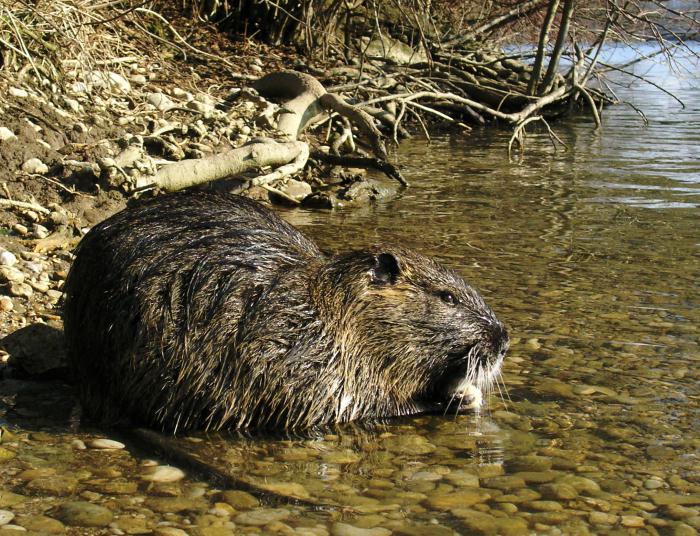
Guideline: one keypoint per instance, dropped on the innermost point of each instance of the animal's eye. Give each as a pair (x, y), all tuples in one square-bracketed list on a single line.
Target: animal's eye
[(448, 297)]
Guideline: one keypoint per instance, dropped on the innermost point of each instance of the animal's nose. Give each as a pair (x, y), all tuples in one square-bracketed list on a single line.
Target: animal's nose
[(498, 335)]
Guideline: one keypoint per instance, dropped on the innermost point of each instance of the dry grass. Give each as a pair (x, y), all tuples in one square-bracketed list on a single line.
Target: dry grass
[(49, 39)]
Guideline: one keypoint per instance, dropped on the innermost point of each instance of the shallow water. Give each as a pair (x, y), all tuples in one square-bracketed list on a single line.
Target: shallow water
[(591, 257)]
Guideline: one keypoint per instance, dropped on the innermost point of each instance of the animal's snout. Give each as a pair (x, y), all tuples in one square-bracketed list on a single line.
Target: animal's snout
[(498, 338)]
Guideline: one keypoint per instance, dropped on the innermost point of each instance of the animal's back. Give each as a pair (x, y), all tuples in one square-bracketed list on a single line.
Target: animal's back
[(170, 268)]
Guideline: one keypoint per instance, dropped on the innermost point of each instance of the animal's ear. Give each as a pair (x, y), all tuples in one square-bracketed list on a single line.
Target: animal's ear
[(385, 269)]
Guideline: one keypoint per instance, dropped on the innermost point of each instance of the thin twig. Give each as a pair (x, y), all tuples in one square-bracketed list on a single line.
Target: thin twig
[(24, 205)]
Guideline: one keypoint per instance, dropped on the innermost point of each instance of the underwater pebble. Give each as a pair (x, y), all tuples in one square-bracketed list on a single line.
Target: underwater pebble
[(262, 517), (53, 485), (602, 518), (106, 444), (42, 524), (84, 514), (632, 521), (163, 473), (345, 529), (6, 516), (241, 500)]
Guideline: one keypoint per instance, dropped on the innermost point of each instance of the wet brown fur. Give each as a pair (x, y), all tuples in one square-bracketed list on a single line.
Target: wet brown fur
[(207, 311)]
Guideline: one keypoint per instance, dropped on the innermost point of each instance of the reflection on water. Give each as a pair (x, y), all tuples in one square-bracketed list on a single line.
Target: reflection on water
[(592, 258)]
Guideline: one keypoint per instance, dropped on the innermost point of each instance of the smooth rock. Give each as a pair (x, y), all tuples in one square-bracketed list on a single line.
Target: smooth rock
[(39, 231), (653, 483), (422, 530), (682, 529), (345, 529), (18, 92), (34, 165), (504, 482), (602, 518), (113, 486), (10, 274), (676, 511), (632, 521), (6, 304), (42, 524), (6, 134), (544, 506), (410, 444), (262, 516), (118, 82), (456, 499), (72, 104), (21, 290), (169, 531), (481, 523), (163, 473), (341, 457), (662, 498), (161, 101), (5, 517), (580, 484), (84, 514), (175, 504), (286, 489), (7, 498), (241, 500), (559, 491), (105, 444), (59, 486), (528, 463), (462, 479), (297, 189), (131, 525)]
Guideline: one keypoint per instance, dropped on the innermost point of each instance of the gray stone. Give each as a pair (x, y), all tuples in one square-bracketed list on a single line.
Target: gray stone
[(262, 516), (84, 514), (18, 92), (53, 485), (105, 444), (6, 134), (241, 500), (163, 473), (345, 529), (34, 165), (161, 101), (5, 517)]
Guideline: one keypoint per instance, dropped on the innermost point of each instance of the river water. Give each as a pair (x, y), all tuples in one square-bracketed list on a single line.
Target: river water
[(591, 256)]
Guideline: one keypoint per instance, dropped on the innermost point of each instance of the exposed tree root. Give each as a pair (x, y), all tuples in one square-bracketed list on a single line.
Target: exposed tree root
[(307, 99), (258, 154), (361, 162), (24, 205)]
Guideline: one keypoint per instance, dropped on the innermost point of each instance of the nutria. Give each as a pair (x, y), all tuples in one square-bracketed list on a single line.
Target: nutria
[(207, 311)]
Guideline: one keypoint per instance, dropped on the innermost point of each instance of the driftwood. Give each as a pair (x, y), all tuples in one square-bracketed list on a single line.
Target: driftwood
[(258, 154), (306, 99)]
